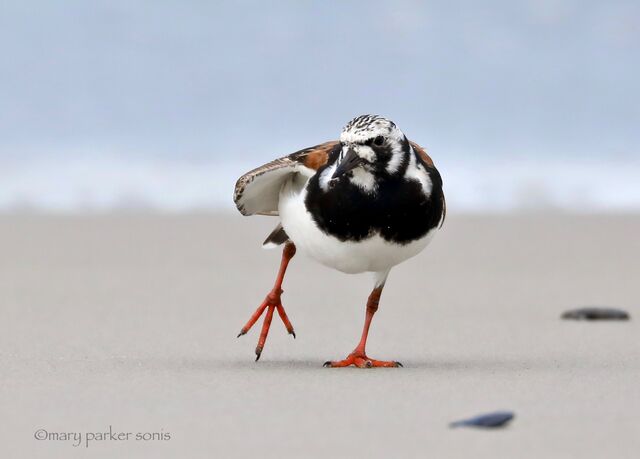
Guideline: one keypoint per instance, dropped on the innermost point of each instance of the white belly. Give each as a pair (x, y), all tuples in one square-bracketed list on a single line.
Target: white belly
[(373, 254)]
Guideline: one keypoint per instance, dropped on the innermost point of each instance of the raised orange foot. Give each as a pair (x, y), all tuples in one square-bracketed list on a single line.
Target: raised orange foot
[(271, 303)]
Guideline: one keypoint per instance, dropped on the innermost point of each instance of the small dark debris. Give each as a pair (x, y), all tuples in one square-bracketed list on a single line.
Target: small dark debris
[(596, 313), (486, 421)]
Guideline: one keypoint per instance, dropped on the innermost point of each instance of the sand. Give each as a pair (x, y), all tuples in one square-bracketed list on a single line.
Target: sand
[(130, 321)]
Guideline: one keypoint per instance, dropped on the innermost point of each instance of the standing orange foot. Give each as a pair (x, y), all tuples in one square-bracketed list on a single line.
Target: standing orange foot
[(360, 360), (271, 303)]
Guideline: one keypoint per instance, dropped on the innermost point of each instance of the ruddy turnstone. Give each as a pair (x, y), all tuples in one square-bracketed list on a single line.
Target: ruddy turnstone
[(366, 202)]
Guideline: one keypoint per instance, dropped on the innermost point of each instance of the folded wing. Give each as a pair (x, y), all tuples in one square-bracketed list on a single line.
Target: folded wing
[(428, 163)]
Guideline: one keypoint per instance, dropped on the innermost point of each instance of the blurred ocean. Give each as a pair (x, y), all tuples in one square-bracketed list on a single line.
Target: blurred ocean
[(113, 104), (496, 184)]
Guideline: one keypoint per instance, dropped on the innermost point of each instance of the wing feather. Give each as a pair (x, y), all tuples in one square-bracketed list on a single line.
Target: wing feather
[(426, 159), (428, 162), (258, 191)]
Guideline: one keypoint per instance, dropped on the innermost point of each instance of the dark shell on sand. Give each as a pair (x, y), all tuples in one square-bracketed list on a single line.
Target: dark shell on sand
[(486, 421), (594, 313)]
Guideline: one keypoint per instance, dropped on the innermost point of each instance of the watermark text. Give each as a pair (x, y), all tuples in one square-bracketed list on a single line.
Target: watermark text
[(89, 438)]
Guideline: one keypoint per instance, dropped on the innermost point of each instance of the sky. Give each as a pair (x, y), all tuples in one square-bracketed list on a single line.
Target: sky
[(241, 82)]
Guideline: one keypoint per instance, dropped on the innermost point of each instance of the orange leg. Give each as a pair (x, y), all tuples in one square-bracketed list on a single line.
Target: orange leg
[(272, 302), (359, 357)]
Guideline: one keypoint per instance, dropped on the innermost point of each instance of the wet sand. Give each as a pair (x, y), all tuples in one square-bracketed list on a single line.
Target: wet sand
[(130, 321)]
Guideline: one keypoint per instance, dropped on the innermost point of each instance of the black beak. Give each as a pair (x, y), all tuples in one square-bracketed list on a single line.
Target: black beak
[(350, 161)]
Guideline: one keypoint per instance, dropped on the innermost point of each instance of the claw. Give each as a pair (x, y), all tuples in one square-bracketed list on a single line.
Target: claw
[(399, 365), (327, 364), (360, 360), (293, 333), (272, 303)]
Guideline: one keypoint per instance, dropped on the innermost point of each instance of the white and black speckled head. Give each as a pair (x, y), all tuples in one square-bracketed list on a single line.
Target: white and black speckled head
[(372, 147), (365, 127)]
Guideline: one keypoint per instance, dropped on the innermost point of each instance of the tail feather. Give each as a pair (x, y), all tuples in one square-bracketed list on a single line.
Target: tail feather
[(277, 237)]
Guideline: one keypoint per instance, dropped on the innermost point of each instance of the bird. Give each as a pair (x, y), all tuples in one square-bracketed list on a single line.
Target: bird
[(363, 203)]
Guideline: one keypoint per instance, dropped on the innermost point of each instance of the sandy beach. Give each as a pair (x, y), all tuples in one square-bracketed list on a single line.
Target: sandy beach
[(130, 321)]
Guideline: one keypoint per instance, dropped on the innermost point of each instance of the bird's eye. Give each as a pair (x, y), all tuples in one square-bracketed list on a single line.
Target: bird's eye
[(379, 140)]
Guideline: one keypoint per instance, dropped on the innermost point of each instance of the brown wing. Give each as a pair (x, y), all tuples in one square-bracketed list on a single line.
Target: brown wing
[(426, 159), (428, 162), (258, 191)]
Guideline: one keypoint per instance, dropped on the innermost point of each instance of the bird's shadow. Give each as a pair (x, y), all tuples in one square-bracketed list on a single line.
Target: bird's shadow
[(181, 364), (456, 364)]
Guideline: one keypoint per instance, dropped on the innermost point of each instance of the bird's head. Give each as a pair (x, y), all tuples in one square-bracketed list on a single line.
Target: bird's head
[(372, 146)]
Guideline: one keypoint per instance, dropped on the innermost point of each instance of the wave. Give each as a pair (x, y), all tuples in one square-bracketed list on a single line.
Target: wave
[(471, 185)]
